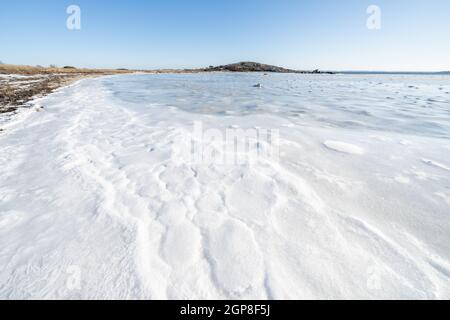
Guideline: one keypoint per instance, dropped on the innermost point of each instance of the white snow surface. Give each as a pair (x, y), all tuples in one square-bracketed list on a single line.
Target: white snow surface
[(97, 203), (344, 147)]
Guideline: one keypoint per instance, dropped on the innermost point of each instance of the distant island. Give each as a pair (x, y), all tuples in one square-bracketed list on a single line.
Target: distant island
[(248, 66)]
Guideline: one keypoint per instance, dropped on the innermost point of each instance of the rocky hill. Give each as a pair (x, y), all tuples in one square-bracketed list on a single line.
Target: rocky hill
[(256, 67)]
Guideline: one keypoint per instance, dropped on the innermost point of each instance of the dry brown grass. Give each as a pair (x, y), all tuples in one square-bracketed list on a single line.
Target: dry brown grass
[(29, 70), (13, 95), (16, 91)]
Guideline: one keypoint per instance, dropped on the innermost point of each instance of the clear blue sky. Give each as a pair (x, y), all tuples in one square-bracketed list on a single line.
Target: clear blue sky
[(303, 34)]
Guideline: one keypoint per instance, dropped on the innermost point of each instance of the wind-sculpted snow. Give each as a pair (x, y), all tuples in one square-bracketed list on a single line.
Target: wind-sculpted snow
[(98, 199)]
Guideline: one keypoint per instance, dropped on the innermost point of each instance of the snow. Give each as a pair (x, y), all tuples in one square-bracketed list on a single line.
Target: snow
[(99, 199), (344, 147), (436, 164), (14, 76)]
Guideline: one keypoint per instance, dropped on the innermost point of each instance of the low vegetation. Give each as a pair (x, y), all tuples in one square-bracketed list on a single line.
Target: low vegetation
[(23, 83), (38, 70)]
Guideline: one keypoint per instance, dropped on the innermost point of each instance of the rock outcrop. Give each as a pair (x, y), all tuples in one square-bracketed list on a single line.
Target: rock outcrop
[(256, 67)]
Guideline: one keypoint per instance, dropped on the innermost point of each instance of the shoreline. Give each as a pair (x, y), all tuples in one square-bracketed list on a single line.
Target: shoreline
[(18, 92), (19, 85)]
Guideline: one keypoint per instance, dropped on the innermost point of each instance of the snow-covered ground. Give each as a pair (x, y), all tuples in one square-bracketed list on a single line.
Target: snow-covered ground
[(99, 201)]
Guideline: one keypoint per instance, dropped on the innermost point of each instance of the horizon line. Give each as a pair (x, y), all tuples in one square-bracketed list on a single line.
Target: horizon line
[(381, 71)]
